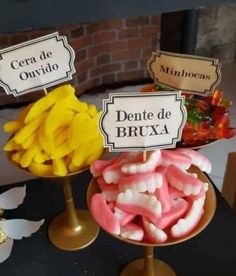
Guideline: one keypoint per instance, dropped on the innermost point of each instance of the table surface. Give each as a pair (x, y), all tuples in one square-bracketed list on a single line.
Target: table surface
[(212, 252)]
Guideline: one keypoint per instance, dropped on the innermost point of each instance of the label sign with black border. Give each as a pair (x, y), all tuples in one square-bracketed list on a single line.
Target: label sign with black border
[(136, 122), (36, 64), (188, 73)]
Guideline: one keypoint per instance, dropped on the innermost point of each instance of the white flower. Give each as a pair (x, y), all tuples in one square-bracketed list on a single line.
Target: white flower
[(12, 198), (15, 229)]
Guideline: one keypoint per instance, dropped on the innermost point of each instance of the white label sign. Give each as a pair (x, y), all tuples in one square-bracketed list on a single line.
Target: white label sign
[(191, 74), (134, 121), (36, 64)]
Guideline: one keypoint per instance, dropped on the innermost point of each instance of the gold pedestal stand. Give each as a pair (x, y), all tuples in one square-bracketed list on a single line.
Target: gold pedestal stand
[(148, 266), (73, 229)]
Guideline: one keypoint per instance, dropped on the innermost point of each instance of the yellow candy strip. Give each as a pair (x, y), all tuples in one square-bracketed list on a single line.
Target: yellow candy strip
[(80, 123), (43, 140), (48, 101), (14, 125), (41, 157), (60, 152), (88, 152), (57, 117), (59, 167), (61, 137), (40, 169), (73, 168), (29, 141), (11, 126), (30, 128), (78, 156), (94, 156), (29, 154), (77, 106), (24, 112), (96, 149), (92, 110), (16, 156), (47, 143), (12, 145), (58, 131)]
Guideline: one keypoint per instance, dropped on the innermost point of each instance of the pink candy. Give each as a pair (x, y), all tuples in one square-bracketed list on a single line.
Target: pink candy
[(154, 235), (132, 231), (163, 195), (147, 201), (103, 214), (178, 159), (149, 181), (182, 181), (179, 208), (198, 159), (140, 204)]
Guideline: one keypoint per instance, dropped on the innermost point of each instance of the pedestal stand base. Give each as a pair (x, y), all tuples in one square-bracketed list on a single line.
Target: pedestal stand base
[(135, 268), (70, 238)]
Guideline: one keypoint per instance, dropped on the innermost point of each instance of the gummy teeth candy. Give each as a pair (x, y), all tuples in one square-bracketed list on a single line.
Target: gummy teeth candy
[(151, 201)]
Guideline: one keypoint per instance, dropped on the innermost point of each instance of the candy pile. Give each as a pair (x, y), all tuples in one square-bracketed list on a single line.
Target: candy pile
[(150, 201), (56, 135), (207, 117)]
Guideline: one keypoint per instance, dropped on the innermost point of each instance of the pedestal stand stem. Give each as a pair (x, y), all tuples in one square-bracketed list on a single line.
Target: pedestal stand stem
[(71, 214), (148, 267)]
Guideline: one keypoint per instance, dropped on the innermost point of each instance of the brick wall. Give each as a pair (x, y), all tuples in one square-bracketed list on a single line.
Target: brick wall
[(107, 52)]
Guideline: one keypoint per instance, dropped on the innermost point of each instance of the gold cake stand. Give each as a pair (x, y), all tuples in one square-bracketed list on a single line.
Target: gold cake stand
[(72, 229), (149, 266)]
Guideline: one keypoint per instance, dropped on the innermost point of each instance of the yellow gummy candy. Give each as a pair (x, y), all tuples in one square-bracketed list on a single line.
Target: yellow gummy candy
[(30, 128), (77, 106), (92, 110), (95, 149), (12, 145), (48, 101), (57, 116), (40, 169), (24, 112), (41, 157), (63, 121), (14, 125), (11, 126), (29, 154), (78, 156), (61, 137), (73, 168), (43, 140), (87, 153), (16, 156), (29, 141), (60, 151), (59, 167), (81, 130), (94, 156)]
